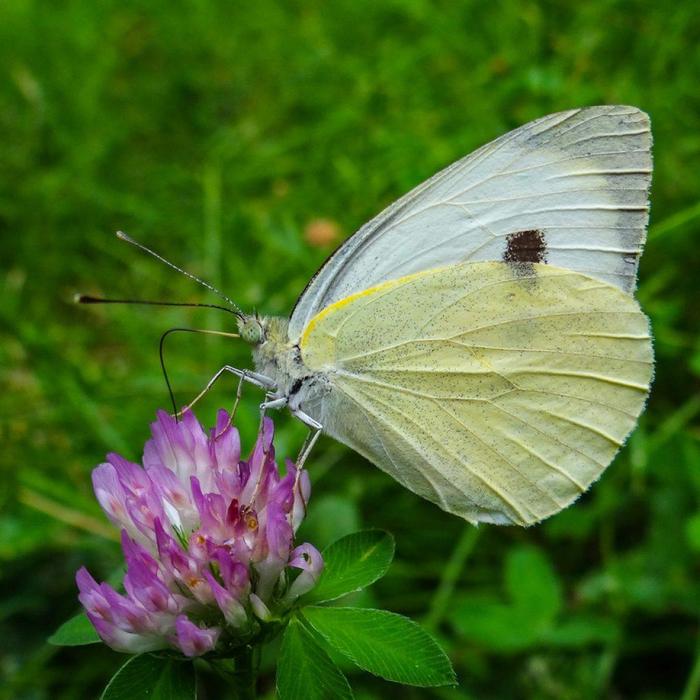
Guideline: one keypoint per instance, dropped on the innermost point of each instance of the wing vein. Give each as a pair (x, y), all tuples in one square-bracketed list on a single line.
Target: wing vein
[(499, 455), (363, 409), (459, 459)]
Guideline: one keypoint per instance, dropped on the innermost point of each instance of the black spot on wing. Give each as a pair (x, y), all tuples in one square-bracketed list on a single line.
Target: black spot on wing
[(525, 247)]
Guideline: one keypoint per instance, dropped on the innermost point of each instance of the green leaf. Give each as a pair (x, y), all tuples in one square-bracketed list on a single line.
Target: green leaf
[(692, 531), (305, 671), (582, 631), (533, 585), (148, 677), (493, 625), (75, 632), (352, 563), (383, 643)]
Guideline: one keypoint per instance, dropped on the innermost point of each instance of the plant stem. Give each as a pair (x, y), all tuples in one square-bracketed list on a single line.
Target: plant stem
[(240, 673), (692, 686), (450, 574), (245, 675)]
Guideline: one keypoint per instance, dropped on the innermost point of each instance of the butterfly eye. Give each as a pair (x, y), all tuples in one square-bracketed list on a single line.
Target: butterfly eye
[(251, 330)]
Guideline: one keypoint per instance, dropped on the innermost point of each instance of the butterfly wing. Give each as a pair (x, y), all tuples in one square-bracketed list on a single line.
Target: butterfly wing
[(499, 392), (570, 189)]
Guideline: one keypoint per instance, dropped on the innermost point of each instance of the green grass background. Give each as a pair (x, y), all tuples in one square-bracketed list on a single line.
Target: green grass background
[(217, 132)]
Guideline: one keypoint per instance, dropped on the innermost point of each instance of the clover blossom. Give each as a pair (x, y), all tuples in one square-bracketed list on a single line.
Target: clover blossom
[(208, 541)]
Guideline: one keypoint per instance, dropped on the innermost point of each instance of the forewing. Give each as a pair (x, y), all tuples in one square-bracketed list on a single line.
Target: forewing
[(570, 189), (499, 392)]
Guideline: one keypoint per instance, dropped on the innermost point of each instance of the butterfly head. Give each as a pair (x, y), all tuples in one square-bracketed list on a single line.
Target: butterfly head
[(252, 329), (273, 354)]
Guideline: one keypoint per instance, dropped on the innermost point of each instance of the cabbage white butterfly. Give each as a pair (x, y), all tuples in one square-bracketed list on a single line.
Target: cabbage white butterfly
[(479, 340)]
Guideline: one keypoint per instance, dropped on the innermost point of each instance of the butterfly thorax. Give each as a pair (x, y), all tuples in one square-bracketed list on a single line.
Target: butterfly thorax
[(277, 357)]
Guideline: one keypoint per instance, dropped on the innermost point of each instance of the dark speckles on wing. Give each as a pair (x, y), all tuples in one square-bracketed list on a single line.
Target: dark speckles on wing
[(525, 247)]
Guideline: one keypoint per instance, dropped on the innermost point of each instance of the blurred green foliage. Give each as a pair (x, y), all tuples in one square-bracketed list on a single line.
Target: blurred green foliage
[(220, 134)]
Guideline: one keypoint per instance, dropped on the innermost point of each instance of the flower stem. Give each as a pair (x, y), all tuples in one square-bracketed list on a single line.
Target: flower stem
[(245, 675), (450, 574), (240, 673), (692, 686)]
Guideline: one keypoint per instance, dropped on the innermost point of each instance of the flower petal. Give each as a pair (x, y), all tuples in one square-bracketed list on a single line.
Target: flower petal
[(193, 640), (111, 495), (307, 558)]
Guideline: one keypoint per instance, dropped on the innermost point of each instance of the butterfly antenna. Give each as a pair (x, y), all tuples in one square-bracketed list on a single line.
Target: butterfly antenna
[(161, 353), (124, 237), (86, 299), (165, 371)]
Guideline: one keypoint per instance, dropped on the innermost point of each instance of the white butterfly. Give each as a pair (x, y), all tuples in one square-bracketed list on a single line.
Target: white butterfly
[(478, 340)]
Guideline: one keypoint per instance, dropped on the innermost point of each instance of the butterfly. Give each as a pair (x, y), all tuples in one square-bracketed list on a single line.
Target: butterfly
[(479, 339)]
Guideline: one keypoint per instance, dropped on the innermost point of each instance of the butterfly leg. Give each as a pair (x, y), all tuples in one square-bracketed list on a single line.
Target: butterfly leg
[(271, 401), (239, 392), (315, 429), (245, 375)]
